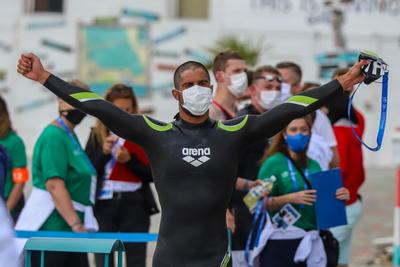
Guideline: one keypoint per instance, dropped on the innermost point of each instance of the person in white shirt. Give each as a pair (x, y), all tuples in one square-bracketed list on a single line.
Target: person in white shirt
[(323, 145)]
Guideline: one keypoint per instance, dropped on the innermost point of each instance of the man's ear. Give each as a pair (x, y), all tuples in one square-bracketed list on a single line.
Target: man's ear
[(220, 76), (254, 92), (175, 94)]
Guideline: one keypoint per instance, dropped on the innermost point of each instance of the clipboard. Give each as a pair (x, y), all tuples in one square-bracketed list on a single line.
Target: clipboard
[(330, 212)]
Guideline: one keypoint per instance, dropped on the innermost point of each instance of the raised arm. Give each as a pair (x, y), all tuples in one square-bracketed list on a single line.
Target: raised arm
[(270, 123), (132, 127), (121, 123)]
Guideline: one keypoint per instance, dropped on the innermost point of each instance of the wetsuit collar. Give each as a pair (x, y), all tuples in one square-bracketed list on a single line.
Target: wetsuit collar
[(180, 122)]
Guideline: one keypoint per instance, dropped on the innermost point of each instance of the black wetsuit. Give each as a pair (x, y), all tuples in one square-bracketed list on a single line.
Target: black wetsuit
[(194, 167)]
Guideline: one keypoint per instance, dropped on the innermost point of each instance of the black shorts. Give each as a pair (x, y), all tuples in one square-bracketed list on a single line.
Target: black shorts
[(280, 253)]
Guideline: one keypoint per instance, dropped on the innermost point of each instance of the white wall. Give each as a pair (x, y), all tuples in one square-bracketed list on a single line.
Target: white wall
[(283, 24)]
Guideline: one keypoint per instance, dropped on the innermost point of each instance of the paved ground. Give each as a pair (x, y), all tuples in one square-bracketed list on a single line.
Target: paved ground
[(377, 221)]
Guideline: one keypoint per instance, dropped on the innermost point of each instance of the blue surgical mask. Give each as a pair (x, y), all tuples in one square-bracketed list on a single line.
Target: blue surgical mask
[(298, 142)]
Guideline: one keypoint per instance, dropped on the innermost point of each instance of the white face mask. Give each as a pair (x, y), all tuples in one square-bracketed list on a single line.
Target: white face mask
[(269, 99), (285, 91), (238, 83), (197, 99)]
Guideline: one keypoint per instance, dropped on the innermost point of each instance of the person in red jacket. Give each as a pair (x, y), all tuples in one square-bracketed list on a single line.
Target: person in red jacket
[(351, 164), (124, 199)]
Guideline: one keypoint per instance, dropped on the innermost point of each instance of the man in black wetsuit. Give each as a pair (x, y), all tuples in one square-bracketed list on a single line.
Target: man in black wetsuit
[(193, 159)]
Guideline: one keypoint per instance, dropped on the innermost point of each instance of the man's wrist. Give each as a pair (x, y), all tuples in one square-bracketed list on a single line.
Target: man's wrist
[(43, 77), (345, 82)]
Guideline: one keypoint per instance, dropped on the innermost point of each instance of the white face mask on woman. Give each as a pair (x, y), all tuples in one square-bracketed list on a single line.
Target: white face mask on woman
[(238, 83), (197, 99), (269, 99)]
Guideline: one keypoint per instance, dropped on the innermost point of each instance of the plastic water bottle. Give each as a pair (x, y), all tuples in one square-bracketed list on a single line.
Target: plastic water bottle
[(254, 195)]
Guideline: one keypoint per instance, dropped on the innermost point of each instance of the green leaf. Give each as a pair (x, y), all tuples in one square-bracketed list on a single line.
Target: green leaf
[(250, 50)]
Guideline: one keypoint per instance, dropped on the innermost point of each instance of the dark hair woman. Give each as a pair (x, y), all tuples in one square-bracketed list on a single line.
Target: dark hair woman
[(17, 172), (124, 198)]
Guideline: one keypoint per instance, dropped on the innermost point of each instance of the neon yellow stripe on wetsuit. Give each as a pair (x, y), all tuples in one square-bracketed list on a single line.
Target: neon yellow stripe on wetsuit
[(233, 128), (301, 100)]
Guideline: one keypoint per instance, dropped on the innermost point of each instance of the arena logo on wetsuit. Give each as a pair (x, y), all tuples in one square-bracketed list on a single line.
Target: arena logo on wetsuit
[(190, 154)]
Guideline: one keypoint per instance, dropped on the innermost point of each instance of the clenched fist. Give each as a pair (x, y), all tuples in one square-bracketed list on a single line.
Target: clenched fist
[(30, 66)]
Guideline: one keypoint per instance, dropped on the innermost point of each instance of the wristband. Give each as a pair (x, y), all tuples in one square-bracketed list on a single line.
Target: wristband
[(20, 175), (268, 201)]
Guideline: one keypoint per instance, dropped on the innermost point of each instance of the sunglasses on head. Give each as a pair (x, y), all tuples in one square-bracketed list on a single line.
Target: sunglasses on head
[(271, 78)]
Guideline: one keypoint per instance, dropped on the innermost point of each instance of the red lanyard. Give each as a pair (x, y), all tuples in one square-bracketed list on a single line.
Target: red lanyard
[(228, 115)]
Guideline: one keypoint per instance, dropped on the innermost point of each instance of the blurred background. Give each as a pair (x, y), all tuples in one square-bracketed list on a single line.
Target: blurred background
[(141, 42)]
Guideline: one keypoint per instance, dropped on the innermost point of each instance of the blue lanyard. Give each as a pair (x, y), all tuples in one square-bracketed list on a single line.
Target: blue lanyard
[(76, 145), (294, 180), (382, 122), (293, 176), (113, 160), (257, 215)]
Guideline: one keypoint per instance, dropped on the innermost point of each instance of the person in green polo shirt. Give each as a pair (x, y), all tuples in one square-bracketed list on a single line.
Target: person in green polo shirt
[(286, 159), (56, 161), (17, 173), (61, 167)]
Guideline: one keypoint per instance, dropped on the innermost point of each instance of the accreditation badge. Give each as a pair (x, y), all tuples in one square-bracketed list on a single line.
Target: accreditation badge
[(286, 216)]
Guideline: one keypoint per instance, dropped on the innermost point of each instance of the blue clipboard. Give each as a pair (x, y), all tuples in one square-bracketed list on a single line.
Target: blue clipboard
[(330, 212)]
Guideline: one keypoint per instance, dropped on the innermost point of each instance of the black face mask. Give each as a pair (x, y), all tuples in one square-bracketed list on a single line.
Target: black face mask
[(74, 116)]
